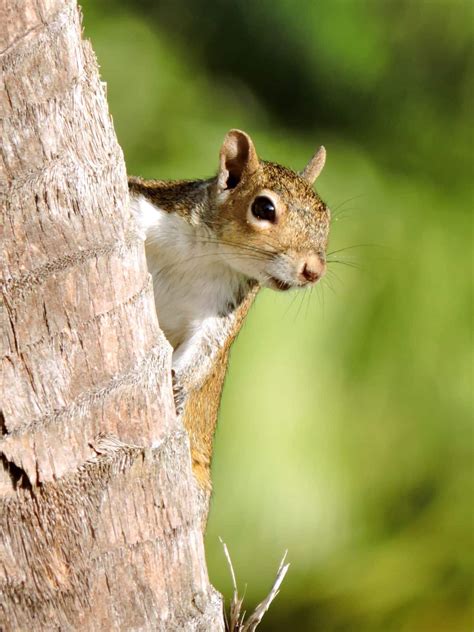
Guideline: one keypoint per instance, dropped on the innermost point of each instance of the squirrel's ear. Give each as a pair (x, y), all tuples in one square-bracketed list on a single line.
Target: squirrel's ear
[(314, 166), (237, 156)]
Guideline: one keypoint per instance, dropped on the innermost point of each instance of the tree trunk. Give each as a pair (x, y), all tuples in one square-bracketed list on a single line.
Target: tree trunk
[(99, 519)]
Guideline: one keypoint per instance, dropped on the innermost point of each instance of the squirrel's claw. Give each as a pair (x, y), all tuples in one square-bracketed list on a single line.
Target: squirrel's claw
[(179, 393)]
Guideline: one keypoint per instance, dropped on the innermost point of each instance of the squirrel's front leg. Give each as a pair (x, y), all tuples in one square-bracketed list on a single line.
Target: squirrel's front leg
[(199, 366), (195, 357)]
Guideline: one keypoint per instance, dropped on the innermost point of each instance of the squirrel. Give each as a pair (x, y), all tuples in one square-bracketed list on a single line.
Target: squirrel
[(210, 245)]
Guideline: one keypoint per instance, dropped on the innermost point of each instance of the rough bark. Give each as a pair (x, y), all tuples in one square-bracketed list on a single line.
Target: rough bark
[(99, 522)]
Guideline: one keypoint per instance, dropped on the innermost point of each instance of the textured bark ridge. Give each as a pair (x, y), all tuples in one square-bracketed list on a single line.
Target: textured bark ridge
[(99, 512)]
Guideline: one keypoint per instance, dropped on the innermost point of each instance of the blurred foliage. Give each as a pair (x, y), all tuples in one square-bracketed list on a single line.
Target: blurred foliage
[(345, 432)]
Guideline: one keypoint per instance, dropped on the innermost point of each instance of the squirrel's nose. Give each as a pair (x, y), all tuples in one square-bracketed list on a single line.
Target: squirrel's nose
[(313, 269)]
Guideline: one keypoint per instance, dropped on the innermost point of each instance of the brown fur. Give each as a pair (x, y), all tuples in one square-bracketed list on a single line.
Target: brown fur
[(177, 196)]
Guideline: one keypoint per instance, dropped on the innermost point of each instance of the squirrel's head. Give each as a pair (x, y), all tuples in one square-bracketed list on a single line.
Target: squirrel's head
[(269, 218)]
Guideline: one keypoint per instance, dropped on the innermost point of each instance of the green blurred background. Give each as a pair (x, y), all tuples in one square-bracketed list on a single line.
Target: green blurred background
[(345, 431)]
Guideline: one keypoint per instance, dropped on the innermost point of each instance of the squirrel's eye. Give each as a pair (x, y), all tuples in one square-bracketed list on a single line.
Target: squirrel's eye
[(263, 208)]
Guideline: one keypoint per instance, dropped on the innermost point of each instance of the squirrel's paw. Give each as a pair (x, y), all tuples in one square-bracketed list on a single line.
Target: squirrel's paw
[(179, 393)]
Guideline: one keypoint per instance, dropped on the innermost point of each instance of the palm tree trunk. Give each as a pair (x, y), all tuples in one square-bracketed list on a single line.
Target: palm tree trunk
[(99, 517)]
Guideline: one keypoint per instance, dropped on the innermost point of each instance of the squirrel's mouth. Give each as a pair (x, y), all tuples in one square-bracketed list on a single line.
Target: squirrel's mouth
[(277, 284)]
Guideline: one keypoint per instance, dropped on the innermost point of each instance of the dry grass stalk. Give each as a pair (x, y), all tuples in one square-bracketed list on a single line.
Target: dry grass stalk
[(236, 622)]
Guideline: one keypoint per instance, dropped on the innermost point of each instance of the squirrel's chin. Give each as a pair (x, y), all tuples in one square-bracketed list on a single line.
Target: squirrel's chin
[(279, 285)]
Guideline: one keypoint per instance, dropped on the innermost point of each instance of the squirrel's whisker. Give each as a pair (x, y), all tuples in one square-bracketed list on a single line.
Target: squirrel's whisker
[(351, 248), (350, 264), (334, 214)]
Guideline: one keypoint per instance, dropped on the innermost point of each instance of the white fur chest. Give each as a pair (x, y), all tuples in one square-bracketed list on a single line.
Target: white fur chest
[(192, 282)]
